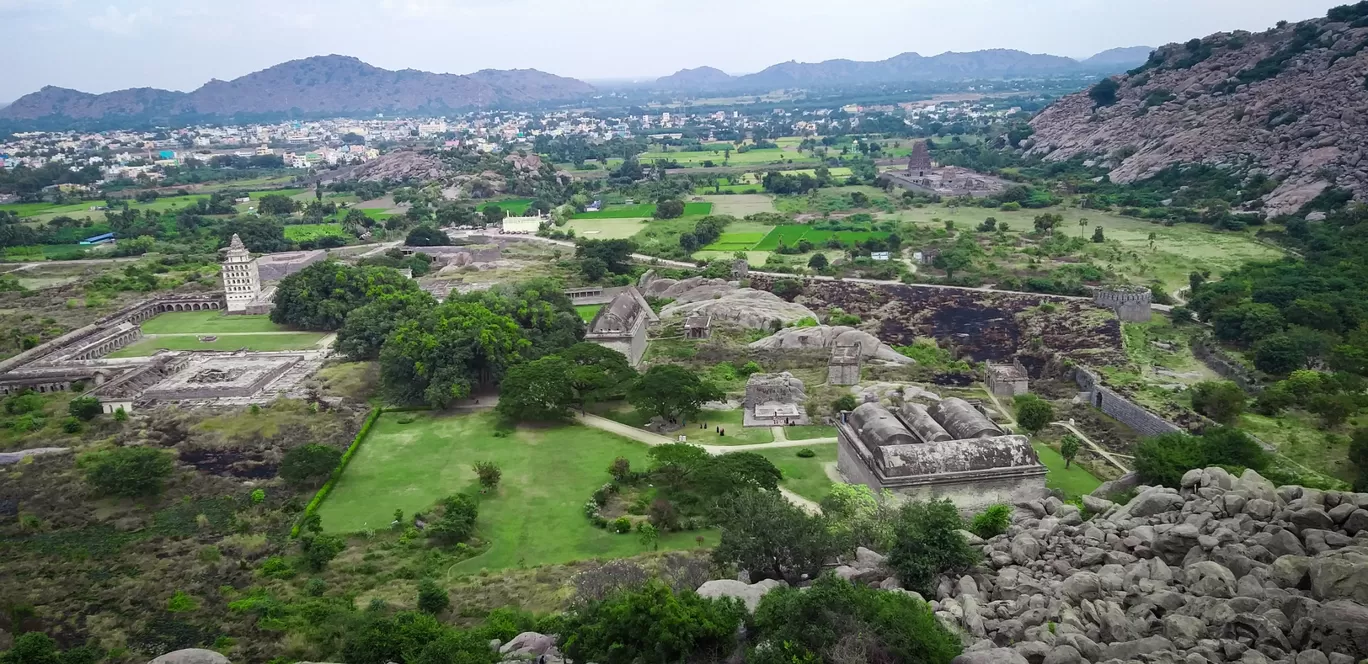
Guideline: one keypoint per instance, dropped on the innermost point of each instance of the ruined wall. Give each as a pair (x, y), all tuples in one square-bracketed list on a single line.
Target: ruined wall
[(843, 374), (1211, 355), (1120, 408)]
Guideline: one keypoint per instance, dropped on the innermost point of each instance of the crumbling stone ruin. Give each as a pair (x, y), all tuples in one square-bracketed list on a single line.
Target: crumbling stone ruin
[(774, 399), (1131, 303), (1006, 380), (844, 366)]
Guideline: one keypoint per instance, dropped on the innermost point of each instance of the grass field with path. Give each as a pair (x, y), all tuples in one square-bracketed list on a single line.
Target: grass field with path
[(805, 477), (606, 229), (225, 342), (729, 420), (208, 322), (1074, 481), (740, 206), (535, 516), (810, 431), (748, 158)]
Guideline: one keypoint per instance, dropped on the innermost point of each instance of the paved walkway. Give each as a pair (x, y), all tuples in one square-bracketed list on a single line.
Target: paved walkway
[(778, 433), (654, 439)]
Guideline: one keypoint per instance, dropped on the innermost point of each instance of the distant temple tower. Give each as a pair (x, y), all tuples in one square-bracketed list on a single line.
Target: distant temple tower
[(920, 160), (241, 282)]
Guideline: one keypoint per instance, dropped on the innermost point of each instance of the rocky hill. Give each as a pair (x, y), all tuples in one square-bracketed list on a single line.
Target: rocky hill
[(905, 68), (1290, 102), (324, 85)]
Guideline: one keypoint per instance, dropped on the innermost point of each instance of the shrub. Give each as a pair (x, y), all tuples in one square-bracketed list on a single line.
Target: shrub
[(1104, 93), (1222, 401), (432, 598), (749, 368), (806, 453), (309, 464), (620, 469), (181, 602), (837, 621), (128, 471), (489, 474), (319, 550), (71, 425), (457, 521), (766, 534), (653, 624), (120, 415), (85, 408), (845, 402), (276, 567), (258, 496), (992, 521), (1164, 459), (926, 545), (622, 525)]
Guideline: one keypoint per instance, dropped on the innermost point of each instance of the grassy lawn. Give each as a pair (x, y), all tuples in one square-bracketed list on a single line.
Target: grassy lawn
[(1304, 439), (588, 311), (536, 516), (748, 158), (1073, 482), (729, 420), (809, 432), (741, 205), (606, 229), (230, 342), (207, 322), (805, 477)]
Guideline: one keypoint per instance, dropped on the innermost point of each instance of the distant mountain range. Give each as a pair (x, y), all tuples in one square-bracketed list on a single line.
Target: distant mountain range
[(328, 85), (904, 68)]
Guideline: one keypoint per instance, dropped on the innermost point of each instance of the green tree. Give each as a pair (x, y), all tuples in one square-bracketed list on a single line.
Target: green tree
[(1222, 401), (669, 209), (597, 373), (1068, 448), (276, 204), (1358, 448), (432, 598), (541, 390), (1033, 413), (953, 260), (845, 402), (447, 353), (493, 214), (309, 464), (1104, 93), (648, 535), (319, 549), (128, 471), (653, 624), (364, 330), (927, 543), (85, 408), (615, 254), (821, 623), (320, 296), (1162, 460), (671, 391), (1098, 237), (818, 261), (1278, 354), (766, 534), (593, 268), (424, 235)]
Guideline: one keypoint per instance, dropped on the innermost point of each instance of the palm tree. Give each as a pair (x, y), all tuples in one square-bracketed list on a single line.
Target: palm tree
[(1082, 223)]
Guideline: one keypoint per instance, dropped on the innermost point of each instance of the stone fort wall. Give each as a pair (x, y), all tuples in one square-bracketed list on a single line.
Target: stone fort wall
[(1120, 408), (1131, 303)]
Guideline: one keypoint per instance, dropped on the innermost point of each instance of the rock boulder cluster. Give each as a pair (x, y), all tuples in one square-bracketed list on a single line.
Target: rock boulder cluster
[(827, 336), (725, 302), (1226, 570)]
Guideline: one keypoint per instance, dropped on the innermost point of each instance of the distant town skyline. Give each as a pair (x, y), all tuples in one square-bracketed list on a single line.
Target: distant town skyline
[(103, 45)]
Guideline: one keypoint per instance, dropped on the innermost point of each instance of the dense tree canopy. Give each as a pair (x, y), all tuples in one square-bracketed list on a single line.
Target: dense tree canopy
[(367, 327), (671, 391), (540, 390), (539, 306), (320, 296), (443, 355)]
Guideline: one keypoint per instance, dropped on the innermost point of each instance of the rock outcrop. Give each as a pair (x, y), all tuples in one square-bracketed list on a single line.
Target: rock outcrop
[(1290, 103), (191, 656), (1205, 574), (725, 302), (827, 336)]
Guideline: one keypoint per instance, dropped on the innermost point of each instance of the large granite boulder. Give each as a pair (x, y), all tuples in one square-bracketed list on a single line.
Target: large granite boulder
[(828, 336), (749, 594), (191, 656), (744, 307)]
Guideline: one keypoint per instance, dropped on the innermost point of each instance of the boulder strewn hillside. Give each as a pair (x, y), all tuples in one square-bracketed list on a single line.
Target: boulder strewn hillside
[(1290, 102), (323, 85)]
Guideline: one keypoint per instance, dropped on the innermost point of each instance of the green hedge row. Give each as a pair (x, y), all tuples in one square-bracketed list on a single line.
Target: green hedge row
[(337, 472)]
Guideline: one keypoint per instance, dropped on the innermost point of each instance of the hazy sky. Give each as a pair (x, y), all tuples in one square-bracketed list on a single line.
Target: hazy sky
[(102, 45)]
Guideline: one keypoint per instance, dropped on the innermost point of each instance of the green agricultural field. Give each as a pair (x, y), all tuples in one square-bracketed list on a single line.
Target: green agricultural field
[(1074, 482), (225, 342), (642, 210), (606, 229), (306, 232), (588, 311), (535, 516), (208, 322), (748, 158), (740, 206), (513, 206), (735, 241), (805, 477), (791, 234), (35, 209)]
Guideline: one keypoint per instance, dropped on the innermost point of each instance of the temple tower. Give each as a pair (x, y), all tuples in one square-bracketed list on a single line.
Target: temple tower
[(241, 282)]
